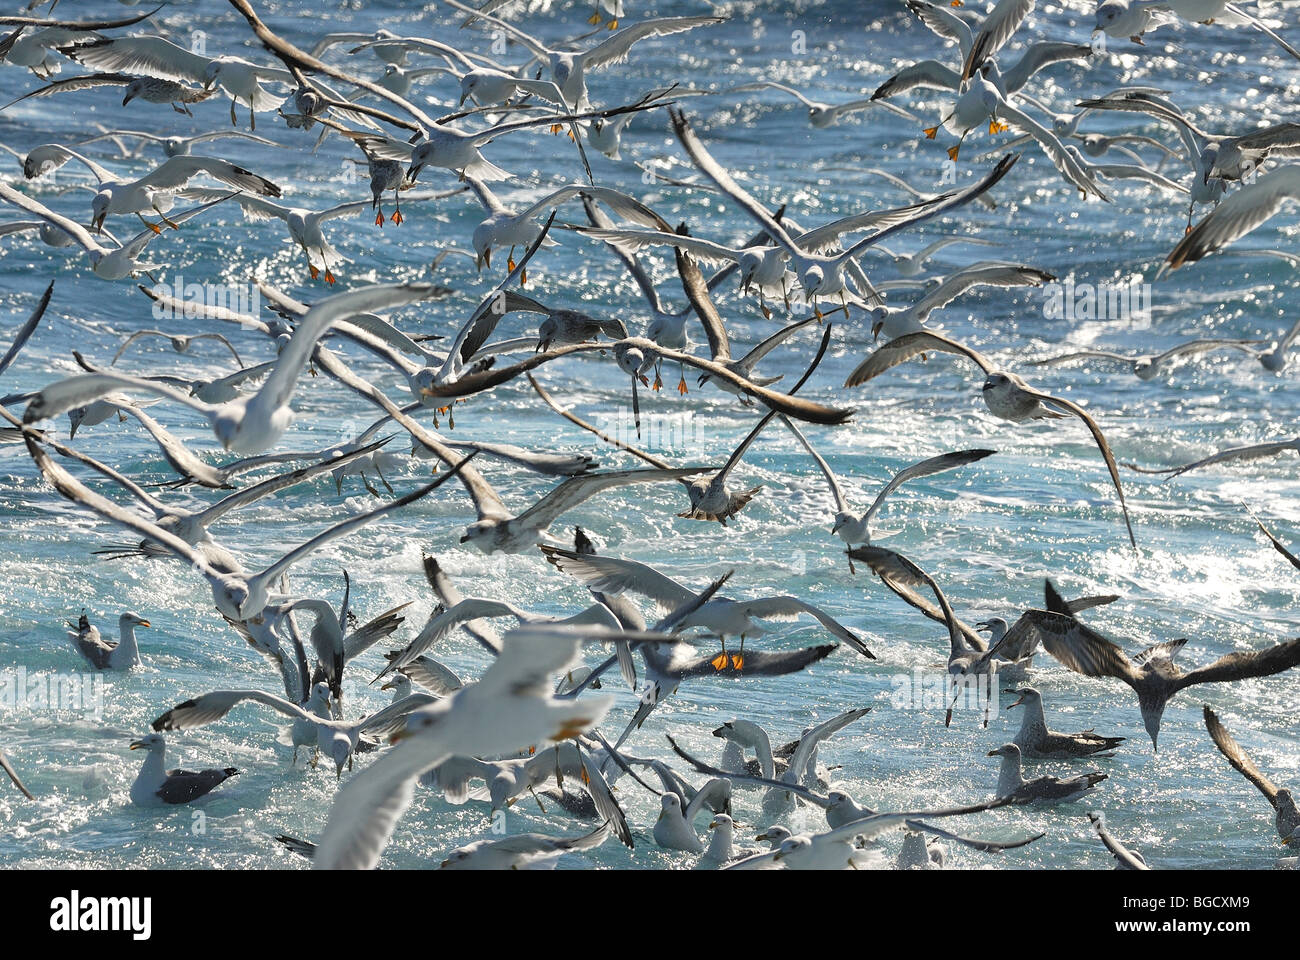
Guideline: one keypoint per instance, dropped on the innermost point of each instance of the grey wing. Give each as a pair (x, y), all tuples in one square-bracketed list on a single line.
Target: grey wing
[(1238, 757), (761, 663), (366, 636), (27, 329), (182, 786), (1102, 445), (1079, 647), (904, 348), (575, 490), (1279, 546), (810, 741), (697, 292), (944, 461), (1237, 216), (1244, 664), (392, 718)]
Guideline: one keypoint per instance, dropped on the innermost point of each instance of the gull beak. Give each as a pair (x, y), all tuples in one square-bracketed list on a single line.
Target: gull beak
[(1287, 841), (137, 744), (876, 328), (982, 625), (713, 824), (127, 99), (465, 539), (487, 257), (1016, 704), (144, 623), (994, 753), (388, 686), (98, 223)]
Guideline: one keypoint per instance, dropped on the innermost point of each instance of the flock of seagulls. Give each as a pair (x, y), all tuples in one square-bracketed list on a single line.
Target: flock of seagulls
[(532, 720)]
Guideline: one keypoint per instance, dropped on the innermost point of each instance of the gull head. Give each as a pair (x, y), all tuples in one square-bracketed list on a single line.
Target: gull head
[(878, 317), (133, 90), (1007, 750), (75, 416), (792, 845), (1027, 695), (99, 209), (455, 859), (1108, 12), (480, 534), (212, 74), (176, 147), (340, 751), (671, 805), (467, 85), (996, 627), (775, 835), (133, 619), (482, 243), (154, 743)]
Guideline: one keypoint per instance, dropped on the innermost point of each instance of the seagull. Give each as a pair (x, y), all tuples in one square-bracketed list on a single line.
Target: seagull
[(155, 784), (246, 424), (506, 227), (176, 146), (1244, 211), (569, 69), (562, 326), (337, 739), (1125, 859), (104, 654), (675, 828), (1275, 360), (722, 616), (498, 531), (109, 263), (820, 115), (1018, 642), (472, 609), (527, 851), (976, 48), (820, 275), (801, 768), (1153, 675), (149, 89), (895, 322), (980, 101), (913, 265), (1280, 798), (510, 707), (156, 190), (1150, 366), (1255, 451), (1045, 789), (1006, 395), (180, 342), (237, 594), (854, 529), (1035, 739), (241, 80)]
